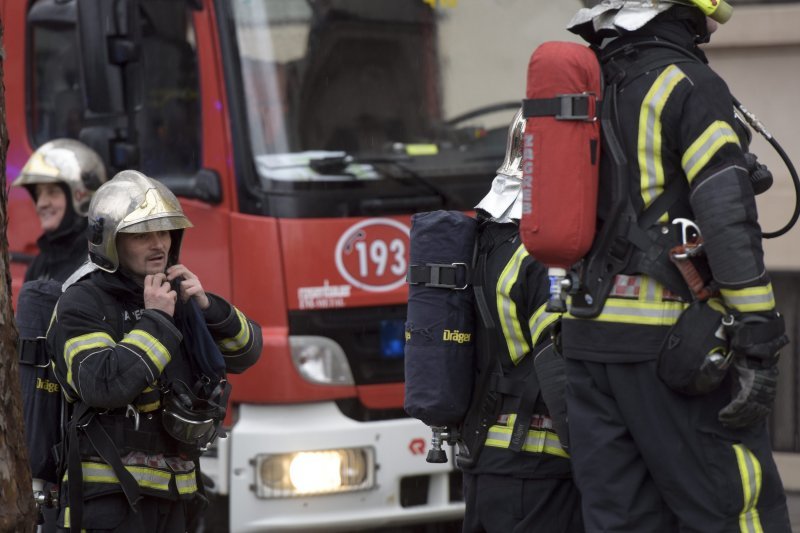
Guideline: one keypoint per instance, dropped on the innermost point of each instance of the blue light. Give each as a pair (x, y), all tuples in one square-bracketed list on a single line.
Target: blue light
[(392, 337)]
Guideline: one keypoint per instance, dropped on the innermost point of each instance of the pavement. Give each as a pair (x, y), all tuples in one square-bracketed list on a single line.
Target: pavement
[(793, 499)]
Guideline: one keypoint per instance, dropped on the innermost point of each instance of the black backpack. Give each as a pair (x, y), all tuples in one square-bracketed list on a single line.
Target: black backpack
[(44, 408), (42, 400)]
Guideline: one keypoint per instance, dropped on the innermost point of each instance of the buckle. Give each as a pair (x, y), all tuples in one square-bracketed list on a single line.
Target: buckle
[(581, 106), (437, 279)]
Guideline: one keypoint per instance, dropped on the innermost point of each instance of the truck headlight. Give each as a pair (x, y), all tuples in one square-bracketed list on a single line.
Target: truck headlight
[(315, 472), (320, 360)]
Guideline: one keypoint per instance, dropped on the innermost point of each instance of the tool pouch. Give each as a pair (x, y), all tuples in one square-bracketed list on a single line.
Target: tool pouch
[(695, 355)]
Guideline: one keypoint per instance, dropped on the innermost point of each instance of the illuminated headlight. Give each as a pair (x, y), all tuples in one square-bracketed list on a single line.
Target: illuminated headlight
[(320, 360), (317, 472)]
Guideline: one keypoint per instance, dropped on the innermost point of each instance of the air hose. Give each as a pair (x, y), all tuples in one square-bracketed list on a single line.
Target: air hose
[(759, 127)]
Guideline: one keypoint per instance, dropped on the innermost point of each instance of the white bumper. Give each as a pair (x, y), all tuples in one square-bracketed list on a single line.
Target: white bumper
[(277, 429)]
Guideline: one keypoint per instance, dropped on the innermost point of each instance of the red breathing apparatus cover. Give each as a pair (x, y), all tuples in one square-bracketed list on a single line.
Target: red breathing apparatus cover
[(561, 153)]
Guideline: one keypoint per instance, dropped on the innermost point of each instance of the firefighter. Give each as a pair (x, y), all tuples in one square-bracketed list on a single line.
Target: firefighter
[(521, 483), (647, 457), (61, 177), (141, 352)]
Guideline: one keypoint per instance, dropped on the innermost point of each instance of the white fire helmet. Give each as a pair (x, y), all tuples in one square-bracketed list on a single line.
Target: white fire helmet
[(615, 16), (504, 200), (69, 162), (132, 203)]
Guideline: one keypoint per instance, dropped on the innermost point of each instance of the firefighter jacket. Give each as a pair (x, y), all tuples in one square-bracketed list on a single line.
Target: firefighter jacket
[(675, 123), (112, 353), (516, 292)]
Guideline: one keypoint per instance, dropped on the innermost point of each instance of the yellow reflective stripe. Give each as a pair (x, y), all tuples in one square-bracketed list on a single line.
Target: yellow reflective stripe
[(750, 472), (751, 299), (148, 407), (650, 309), (240, 341), (81, 343), (537, 440), (152, 347), (186, 483), (507, 309), (540, 321), (651, 168), (709, 142), (641, 312), (146, 477)]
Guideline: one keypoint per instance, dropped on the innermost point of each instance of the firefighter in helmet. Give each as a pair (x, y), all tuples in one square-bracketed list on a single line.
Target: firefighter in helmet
[(521, 480), (650, 452), (142, 351), (61, 177)]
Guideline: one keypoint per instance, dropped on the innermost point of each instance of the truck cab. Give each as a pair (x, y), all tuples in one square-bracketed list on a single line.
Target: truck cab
[(300, 137)]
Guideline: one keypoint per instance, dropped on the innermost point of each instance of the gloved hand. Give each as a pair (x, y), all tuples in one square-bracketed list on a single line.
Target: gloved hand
[(754, 394), (760, 176), (755, 340)]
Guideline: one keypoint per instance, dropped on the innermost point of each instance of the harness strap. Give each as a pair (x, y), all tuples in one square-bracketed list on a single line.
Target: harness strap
[(105, 448), (562, 107)]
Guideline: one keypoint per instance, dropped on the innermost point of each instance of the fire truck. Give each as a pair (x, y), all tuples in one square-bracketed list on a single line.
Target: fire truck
[(300, 137)]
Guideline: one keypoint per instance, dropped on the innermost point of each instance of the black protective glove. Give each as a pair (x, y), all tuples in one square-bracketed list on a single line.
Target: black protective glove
[(754, 395), (755, 340)]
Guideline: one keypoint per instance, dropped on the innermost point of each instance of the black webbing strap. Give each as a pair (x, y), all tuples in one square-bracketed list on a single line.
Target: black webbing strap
[(33, 352), (107, 451), (445, 276), (85, 419), (75, 470), (527, 403), (562, 107)]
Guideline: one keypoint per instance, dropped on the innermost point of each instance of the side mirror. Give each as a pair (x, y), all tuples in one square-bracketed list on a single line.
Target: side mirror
[(204, 185), (109, 38)]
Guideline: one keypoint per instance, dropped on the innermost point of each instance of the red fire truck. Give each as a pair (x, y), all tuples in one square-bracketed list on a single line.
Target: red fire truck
[(300, 135)]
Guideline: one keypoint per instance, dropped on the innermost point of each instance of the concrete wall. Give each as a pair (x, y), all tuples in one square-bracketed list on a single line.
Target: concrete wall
[(758, 53)]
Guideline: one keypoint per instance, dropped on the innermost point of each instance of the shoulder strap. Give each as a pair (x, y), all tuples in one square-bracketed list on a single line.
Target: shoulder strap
[(625, 231), (526, 389)]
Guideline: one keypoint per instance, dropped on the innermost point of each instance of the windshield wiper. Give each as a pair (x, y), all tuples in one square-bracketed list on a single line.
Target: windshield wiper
[(337, 165)]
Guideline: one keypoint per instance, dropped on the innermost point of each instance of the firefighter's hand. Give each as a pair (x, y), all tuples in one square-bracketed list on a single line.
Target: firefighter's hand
[(158, 293), (753, 394), (190, 286)]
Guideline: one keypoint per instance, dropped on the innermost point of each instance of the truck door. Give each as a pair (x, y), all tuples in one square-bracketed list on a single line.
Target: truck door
[(125, 78)]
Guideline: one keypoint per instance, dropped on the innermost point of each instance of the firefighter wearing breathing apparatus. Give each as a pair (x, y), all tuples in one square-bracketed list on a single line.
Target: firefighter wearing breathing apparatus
[(662, 441), (141, 351), (518, 478)]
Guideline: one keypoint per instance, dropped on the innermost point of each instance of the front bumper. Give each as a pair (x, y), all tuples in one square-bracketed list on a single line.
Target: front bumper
[(407, 489)]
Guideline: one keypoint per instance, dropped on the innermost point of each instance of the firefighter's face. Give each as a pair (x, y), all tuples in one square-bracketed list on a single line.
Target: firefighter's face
[(51, 204), (141, 254)]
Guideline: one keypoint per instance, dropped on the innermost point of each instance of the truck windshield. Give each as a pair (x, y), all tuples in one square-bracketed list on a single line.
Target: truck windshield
[(368, 90)]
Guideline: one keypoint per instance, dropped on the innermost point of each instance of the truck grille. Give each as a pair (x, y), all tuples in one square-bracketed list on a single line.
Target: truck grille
[(359, 332)]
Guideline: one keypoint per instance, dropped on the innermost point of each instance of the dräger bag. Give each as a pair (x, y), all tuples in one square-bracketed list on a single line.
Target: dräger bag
[(695, 356), (440, 332), (41, 393)]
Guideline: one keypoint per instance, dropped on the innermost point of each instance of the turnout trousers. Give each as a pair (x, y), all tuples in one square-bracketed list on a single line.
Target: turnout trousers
[(505, 504), (648, 459)]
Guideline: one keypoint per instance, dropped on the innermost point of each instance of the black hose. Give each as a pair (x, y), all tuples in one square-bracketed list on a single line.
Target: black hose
[(756, 125)]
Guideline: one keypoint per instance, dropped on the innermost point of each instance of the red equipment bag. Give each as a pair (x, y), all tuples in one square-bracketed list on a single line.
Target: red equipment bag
[(561, 153)]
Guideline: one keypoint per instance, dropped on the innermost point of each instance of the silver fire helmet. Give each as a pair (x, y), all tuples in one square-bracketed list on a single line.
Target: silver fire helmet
[(616, 16), (132, 203), (504, 200), (69, 162)]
